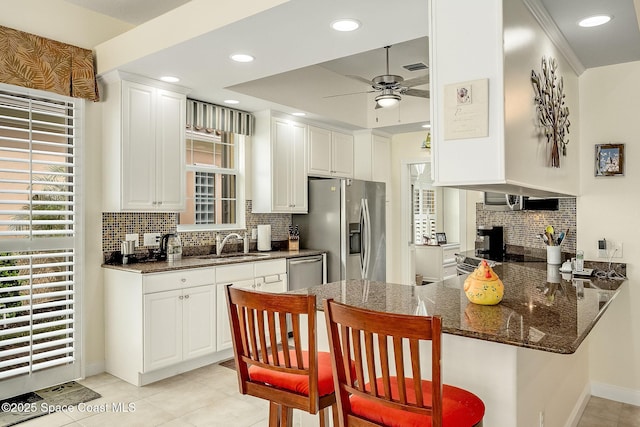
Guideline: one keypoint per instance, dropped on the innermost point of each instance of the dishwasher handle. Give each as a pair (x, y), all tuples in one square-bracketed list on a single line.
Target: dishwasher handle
[(305, 261)]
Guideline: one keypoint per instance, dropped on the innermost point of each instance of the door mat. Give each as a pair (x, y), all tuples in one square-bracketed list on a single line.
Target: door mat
[(42, 402), (231, 364)]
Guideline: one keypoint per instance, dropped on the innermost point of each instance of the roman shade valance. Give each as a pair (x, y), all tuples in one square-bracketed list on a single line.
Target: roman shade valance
[(35, 62), (206, 117)]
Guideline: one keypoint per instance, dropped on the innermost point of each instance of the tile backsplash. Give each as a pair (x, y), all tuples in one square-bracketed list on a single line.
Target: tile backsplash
[(115, 225), (521, 227)]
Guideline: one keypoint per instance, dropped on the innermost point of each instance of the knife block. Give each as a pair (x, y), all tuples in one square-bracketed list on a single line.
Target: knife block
[(294, 244)]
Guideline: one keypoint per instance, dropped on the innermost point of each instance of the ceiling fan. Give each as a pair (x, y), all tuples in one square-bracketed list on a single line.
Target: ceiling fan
[(391, 87)]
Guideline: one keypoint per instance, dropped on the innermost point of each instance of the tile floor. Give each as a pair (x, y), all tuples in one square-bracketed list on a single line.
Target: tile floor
[(208, 397)]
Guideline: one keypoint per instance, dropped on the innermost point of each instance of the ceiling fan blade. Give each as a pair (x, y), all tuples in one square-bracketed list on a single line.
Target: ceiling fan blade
[(416, 82), (345, 94), (417, 92), (361, 79)]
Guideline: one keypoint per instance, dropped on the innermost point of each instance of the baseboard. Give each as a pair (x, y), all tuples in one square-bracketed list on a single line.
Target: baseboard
[(619, 394), (94, 368), (578, 408)]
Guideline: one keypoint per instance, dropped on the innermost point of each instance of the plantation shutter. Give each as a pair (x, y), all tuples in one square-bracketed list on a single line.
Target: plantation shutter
[(37, 233)]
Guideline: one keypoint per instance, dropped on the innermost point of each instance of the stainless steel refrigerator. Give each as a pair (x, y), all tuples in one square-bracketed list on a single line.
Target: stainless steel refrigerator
[(347, 219)]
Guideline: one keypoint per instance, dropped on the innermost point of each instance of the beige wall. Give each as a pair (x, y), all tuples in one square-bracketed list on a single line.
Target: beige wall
[(608, 207)]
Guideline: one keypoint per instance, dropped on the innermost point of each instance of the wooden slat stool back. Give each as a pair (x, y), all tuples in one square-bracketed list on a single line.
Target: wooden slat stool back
[(290, 378), (374, 396)]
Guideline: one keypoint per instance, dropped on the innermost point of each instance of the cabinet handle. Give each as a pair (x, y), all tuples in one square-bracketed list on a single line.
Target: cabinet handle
[(253, 286), (160, 202), (186, 297), (180, 297), (183, 280)]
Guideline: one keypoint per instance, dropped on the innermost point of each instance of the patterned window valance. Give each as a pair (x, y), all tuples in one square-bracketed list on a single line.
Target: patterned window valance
[(205, 117), (36, 62)]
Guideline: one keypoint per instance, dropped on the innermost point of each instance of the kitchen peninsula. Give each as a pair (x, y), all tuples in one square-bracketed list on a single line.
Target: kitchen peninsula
[(523, 357)]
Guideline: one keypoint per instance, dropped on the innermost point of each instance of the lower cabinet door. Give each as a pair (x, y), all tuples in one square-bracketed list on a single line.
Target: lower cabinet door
[(199, 329), (162, 329), (223, 337)]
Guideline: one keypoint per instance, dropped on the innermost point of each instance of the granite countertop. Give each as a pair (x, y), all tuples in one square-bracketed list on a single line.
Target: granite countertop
[(540, 309), (200, 261)]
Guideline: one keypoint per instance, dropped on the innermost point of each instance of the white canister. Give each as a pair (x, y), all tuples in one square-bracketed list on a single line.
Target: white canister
[(264, 237), (553, 255)]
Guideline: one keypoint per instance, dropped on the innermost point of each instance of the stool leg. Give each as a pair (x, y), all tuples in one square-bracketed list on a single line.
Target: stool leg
[(322, 415), (286, 419), (334, 413), (274, 414)]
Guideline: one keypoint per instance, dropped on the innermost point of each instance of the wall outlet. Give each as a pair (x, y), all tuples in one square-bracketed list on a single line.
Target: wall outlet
[(615, 250), (609, 249), (133, 236), (151, 239)]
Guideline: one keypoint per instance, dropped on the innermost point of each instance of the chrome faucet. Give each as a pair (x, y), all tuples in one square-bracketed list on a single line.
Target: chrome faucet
[(221, 242)]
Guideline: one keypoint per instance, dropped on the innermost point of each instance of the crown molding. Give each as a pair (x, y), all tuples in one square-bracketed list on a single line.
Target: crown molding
[(541, 14)]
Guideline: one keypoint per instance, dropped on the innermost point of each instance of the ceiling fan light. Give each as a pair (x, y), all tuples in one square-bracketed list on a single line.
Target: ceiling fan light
[(387, 100)]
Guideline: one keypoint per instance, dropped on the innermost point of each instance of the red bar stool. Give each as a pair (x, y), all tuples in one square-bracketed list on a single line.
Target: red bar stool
[(373, 339), (291, 378)]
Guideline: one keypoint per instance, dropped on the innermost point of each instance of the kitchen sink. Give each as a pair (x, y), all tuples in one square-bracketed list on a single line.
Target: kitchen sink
[(234, 256)]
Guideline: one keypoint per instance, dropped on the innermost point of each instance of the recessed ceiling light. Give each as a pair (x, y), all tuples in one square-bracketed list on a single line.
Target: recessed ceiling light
[(426, 125), (231, 101), (345, 24), (594, 21), (170, 79), (299, 114), (242, 57)]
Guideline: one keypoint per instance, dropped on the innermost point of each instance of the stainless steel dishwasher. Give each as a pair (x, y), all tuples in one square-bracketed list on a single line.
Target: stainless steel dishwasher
[(304, 272)]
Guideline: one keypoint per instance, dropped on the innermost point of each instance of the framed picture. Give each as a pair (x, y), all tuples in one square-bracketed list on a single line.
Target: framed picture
[(609, 160), (441, 238)]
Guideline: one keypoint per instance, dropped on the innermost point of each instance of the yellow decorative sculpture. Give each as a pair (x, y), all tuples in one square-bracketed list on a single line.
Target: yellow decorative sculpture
[(483, 286)]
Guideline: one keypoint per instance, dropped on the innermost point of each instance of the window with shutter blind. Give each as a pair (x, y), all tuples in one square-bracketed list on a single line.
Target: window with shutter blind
[(38, 238), (424, 213)]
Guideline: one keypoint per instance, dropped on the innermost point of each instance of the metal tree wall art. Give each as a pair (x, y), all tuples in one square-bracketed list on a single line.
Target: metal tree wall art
[(553, 115)]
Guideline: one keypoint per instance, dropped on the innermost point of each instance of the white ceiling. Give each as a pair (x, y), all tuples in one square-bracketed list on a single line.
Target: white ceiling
[(300, 61)]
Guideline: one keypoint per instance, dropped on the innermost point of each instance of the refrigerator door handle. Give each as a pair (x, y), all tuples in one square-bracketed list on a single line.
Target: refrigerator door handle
[(362, 239), (367, 238)]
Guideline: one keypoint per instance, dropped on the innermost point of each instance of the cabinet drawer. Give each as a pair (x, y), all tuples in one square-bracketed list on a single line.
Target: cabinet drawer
[(177, 280), (449, 253), (267, 268), (234, 272), (449, 271), (276, 283)]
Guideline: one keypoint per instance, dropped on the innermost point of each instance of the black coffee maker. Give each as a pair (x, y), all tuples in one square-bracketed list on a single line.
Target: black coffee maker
[(490, 243)]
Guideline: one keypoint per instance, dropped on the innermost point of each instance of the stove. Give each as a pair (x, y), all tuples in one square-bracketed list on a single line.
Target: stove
[(468, 261)]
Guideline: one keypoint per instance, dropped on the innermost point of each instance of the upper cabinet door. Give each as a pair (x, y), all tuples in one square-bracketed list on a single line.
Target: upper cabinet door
[(320, 151), (330, 153), (170, 150), (281, 143), (138, 146), (298, 178), (342, 147)]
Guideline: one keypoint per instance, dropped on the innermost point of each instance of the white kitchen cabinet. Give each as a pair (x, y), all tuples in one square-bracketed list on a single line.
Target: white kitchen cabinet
[(279, 165), (158, 325), (330, 153), (143, 145), (162, 329), (436, 263), (373, 162), (263, 276)]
